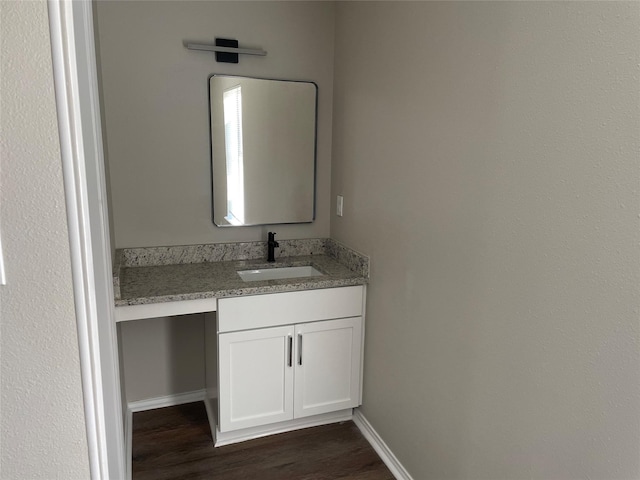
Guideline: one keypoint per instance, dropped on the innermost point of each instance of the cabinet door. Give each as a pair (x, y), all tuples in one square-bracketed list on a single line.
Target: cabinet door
[(255, 377), (327, 366)]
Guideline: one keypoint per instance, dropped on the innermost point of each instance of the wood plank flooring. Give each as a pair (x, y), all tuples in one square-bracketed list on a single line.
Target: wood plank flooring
[(175, 443)]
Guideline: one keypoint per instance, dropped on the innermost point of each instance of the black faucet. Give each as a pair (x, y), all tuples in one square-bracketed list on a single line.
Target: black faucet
[(271, 245)]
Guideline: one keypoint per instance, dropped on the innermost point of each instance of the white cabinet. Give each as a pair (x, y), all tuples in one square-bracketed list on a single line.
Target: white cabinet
[(288, 358), (267, 377), (327, 371), (256, 377)]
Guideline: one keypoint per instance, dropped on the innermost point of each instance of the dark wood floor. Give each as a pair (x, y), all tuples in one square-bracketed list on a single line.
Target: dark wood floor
[(175, 443)]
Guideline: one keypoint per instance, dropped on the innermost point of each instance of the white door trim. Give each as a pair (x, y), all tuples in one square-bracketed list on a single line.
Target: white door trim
[(75, 78)]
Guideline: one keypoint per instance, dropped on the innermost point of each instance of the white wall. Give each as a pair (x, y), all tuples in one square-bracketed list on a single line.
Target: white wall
[(42, 417), (488, 158), (155, 95)]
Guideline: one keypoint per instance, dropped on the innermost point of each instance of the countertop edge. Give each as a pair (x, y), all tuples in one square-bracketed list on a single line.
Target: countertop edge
[(237, 292)]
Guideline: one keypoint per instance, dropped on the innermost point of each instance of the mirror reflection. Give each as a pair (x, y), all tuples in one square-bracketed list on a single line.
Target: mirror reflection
[(263, 147)]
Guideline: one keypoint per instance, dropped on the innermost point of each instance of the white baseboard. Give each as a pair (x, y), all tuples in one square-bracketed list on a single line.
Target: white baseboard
[(151, 404), (381, 448), (166, 401)]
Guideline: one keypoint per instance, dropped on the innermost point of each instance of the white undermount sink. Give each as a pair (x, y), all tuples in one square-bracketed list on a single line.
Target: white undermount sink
[(278, 273)]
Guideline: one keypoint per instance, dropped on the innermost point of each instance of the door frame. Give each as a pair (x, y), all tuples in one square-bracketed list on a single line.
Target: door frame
[(79, 124)]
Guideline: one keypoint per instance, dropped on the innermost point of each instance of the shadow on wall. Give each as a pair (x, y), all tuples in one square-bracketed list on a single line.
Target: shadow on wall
[(186, 354), (162, 356)]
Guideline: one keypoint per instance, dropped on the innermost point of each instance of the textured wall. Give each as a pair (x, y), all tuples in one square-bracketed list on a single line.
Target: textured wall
[(490, 168), (43, 431), (155, 95)]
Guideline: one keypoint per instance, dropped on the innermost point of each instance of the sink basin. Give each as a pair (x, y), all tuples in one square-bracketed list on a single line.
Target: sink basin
[(278, 273)]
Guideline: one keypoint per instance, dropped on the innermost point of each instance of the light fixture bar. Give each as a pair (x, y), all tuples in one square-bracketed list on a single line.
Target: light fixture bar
[(213, 48)]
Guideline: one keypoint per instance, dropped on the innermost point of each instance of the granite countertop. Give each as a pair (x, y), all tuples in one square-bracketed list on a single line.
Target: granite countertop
[(168, 274)]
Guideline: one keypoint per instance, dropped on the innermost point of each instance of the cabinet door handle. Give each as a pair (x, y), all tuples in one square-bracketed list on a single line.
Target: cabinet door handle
[(299, 349), (290, 362)]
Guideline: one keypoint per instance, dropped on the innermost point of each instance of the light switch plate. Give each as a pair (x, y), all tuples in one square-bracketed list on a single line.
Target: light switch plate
[(339, 205)]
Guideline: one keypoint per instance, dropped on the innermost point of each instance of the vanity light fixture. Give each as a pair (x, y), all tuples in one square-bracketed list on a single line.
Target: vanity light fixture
[(226, 49)]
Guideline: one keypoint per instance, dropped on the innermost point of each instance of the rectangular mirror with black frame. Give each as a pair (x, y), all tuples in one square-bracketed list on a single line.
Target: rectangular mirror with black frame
[(263, 149)]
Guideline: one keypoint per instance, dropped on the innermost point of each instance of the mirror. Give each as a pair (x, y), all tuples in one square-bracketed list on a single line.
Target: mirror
[(263, 149)]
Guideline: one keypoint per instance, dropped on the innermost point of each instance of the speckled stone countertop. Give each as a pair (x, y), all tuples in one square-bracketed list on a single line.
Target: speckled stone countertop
[(168, 274)]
